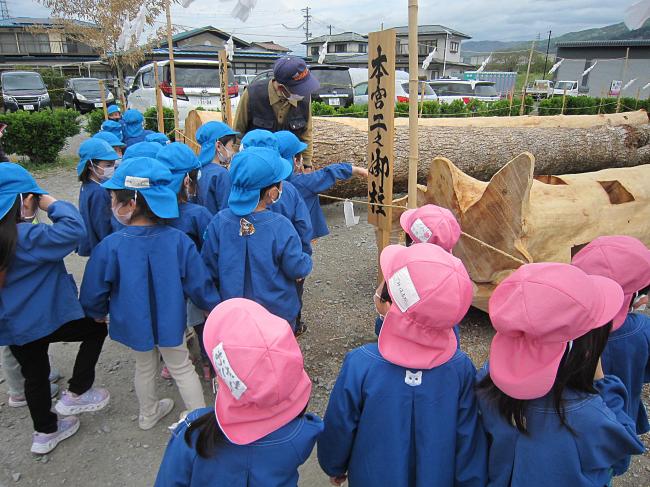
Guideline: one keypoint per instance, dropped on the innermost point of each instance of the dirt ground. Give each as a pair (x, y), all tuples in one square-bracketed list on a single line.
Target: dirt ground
[(110, 450)]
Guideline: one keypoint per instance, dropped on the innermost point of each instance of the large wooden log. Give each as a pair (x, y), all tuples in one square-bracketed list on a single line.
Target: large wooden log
[(480, 152)]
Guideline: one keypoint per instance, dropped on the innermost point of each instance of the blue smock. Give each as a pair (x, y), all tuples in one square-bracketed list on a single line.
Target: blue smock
[(379, 322), (133, 136), (294, 208), (382, 430), (192, 221), (95, 208), (39, 296), (213, 188), (141, 276), (262, 267), (310, 185), (271, 461), (550, 454), (627, 356)]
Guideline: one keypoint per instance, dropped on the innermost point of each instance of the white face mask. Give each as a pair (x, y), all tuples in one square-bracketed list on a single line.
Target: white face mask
[(225, 159), (103, 173), (26, 218), (279, 196), (124, 219)]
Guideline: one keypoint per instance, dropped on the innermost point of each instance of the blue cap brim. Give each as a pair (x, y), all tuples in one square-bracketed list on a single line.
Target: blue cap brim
[(242, 202), (6, 203), (304, 87), (286, 169), (206, 156), (177, 182), (81, 165), (162, 201)]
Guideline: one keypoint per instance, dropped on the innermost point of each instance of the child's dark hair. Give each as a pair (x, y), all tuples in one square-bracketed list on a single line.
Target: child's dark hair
[(8, 238), (227, 138), (408, 239), (183, 196), (141, 206), (84, 177), (271, 186), (576, 371), (210, 434)]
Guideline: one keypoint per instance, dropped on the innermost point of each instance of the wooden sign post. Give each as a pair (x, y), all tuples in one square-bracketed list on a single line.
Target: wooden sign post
[(381, 131), (226, 108), (413, 105), (102, 94), (159, 103), (172, 68)]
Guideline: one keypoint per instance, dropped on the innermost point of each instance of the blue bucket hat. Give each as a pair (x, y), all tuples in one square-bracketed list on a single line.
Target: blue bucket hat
[(260, 138), (180, 160), (289, 144), (113, 127), (141, 149), (15, 180), (113, 109), (110, 138), (251, 170), (133, 120), (97, 149), (150, 178), (207, 137), (293, 73), (158, 138)]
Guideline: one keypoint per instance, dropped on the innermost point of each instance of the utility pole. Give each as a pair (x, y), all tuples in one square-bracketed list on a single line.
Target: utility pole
[(548, 48), (4, 10), (330, 29), (307, 19)]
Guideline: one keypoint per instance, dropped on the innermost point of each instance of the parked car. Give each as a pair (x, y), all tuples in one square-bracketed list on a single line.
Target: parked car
[(197, 85), (24, 90), (243, 80), (540, 88), (335, 84), (401, 92), (486, 91), (128, 84), (449, 90), (572, 89), (84, 95)]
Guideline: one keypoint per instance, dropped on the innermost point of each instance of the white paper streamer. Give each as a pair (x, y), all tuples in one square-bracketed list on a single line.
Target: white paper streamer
[(637, 14), (243, 9), (348, 213), (589, 69), (230, 48), (645, 87), (484, 63), (429, 58), (629, 83), (555, 66), (322, 52)]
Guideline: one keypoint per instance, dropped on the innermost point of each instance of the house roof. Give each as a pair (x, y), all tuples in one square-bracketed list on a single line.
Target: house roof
[(613, 43), (31, 21), (271, 46), (431, 29), (239, 53), (200, 30), (344, 37)]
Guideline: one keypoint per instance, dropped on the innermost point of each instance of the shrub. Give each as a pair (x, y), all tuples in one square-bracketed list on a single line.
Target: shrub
[(319, 108), (55, 83), (39, 135), (151, 121), (356, 111), (94, 120)]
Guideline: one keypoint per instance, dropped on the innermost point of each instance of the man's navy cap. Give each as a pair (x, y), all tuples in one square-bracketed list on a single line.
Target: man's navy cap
[(293, 73)]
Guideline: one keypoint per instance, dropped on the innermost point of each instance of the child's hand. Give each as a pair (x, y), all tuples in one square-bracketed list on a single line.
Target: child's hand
[(103, 320), (361, 172), (45, 201), (599, 375), (338, 480)]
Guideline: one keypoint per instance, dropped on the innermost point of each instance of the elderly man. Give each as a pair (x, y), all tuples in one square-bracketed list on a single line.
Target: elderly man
[(284, 103)]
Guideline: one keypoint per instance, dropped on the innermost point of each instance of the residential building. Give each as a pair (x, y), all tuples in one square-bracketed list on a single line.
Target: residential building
[(272, 46), (338, 45), (610, 55)]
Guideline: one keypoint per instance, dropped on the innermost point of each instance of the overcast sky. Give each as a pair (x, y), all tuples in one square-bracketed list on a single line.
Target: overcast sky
[(482, 19)]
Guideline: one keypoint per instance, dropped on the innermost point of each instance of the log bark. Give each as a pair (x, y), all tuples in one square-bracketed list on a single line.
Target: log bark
[(481, 151)]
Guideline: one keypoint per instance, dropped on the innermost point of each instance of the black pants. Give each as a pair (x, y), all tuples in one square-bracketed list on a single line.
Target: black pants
[(35, 367), (300, 287)]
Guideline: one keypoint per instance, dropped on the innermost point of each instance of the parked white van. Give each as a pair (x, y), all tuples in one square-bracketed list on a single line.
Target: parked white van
[(197, 85)]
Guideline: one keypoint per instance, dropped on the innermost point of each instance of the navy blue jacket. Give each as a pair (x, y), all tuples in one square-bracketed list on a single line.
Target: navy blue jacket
[(550, 454), (192, 221), (262, 267), (384, 429), (214, 188), (310, 185), (627, 356), (95, 208), (272, 461), (130, 140), (142, 275), (39, 296), (293, 207)]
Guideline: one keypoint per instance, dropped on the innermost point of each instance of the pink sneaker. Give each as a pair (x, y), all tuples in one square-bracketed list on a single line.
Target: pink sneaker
[(164, 373), (207, 372), (43, 443), (20, 401), (93, 399)]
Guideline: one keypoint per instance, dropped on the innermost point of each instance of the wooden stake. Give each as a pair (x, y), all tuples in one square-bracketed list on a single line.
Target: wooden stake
[(512, 100), (226, 108), (600, 105), (413, 103), (523, 91), (102, 93), (421, 98), (159, 104), (563, 102), (172, 69), (638, 95), (620, 92)]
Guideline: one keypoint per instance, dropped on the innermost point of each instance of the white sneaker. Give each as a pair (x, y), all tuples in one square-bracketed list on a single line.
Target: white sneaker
[(165, 407), (43, 443)]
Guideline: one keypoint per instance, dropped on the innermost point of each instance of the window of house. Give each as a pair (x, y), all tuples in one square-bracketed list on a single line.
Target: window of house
[(363, 48), (8, 43), (426, 46), (340, 47), (402, 47), (454, 46), (33, 43), (314, 50)]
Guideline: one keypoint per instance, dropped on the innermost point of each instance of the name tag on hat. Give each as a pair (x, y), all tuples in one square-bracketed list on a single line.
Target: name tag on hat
[(403, 290), (413, 379), (135, 182), (421, 231), (227, 374)]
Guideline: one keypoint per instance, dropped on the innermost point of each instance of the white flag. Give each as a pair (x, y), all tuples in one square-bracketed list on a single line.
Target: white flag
[(589, 69), (555, 66), (322, 52), (429, 58), (629, 83), (637, 14), (484, 63), (126, 32), (230, 48), (186, 3), (243, 9), (646, 87), (137, 25)]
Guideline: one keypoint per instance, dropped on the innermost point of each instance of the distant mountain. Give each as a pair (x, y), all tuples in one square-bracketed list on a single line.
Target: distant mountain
[(610, 32)]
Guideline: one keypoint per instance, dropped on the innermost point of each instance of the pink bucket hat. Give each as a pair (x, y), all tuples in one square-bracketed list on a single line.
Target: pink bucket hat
[(431, 292), (431, 224), (262, 382), (536, 311), (626, 260)]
